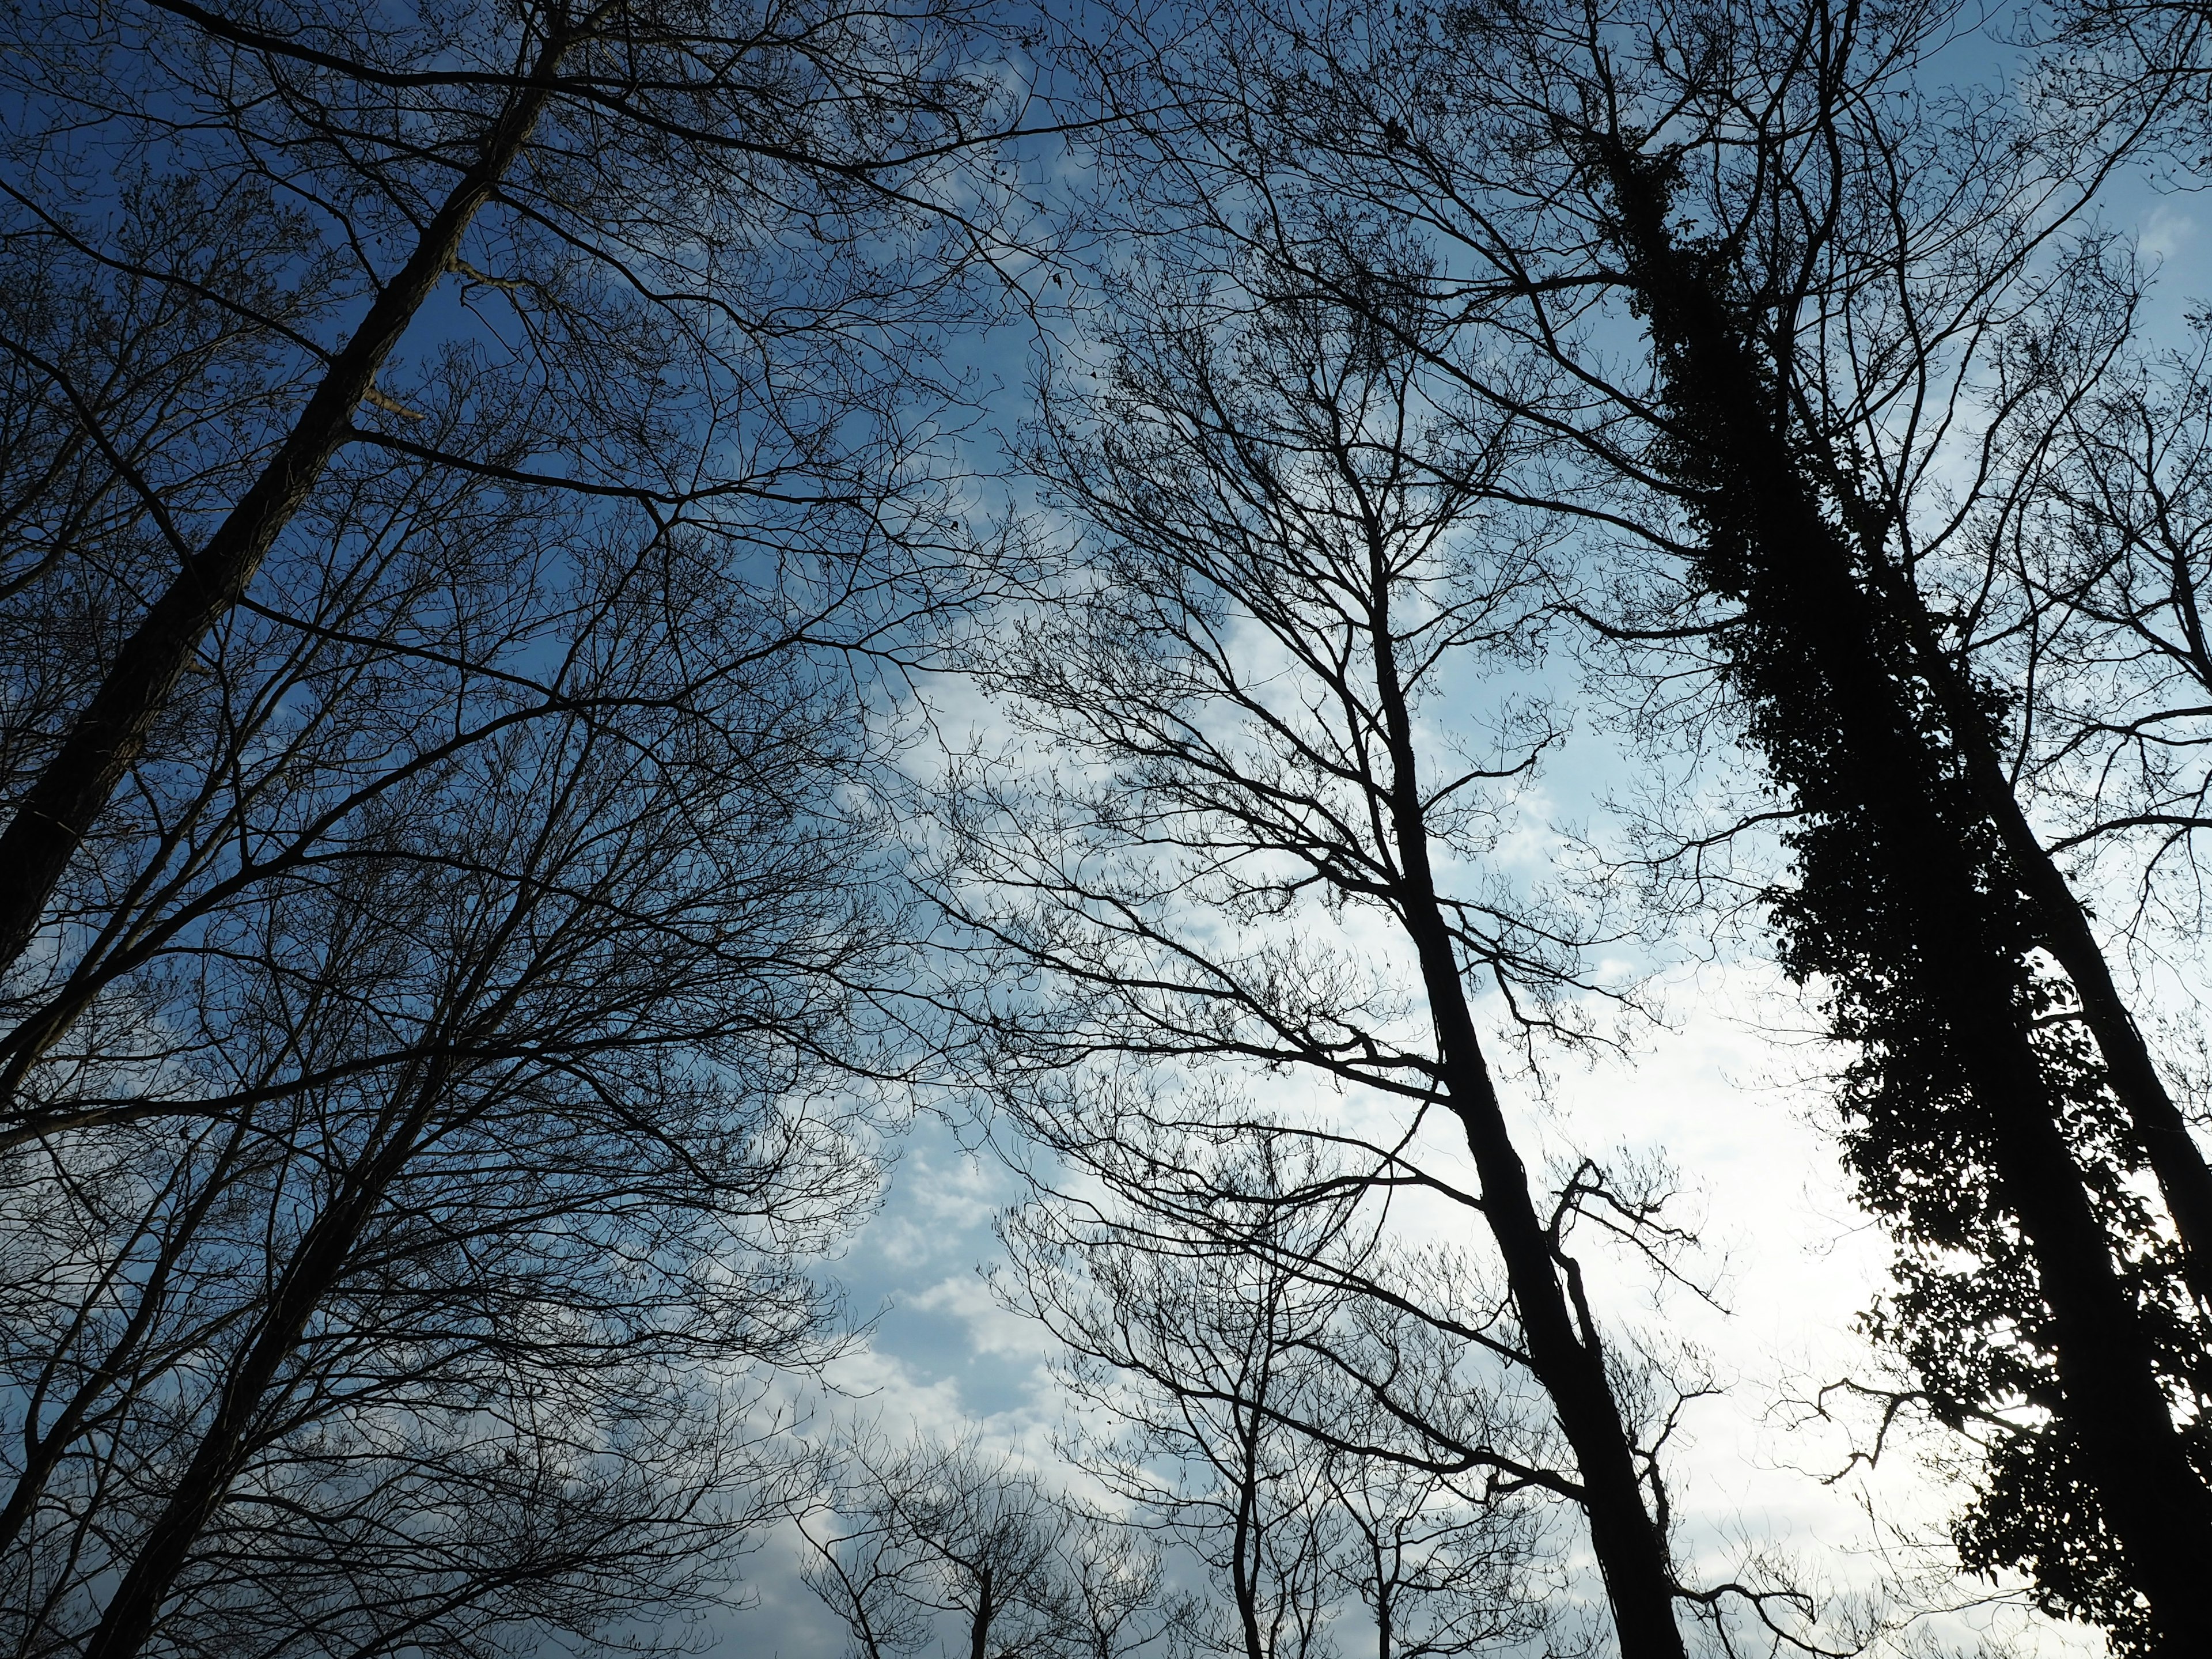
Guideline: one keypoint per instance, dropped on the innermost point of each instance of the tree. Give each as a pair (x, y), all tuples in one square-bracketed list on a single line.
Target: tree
[(451, 1020), (1968, 1110), (673, 269), (433, 1291), (1258, 1407), (932, 1536), (1924, 897), (1284, 555), (1820, 271), (1206, 1444)]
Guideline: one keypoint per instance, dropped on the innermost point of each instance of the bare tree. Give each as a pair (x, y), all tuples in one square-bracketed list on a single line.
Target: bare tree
[(443, 1304), (1825, 277), (937, 1539), (461, 471), (1123, 1600), (1285, 553), (1285, 1425), (674, 269), (1201, 1442), (1437, 1573)]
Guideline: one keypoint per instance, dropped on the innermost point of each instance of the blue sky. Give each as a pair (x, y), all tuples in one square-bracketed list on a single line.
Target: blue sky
[(1728, 1088)]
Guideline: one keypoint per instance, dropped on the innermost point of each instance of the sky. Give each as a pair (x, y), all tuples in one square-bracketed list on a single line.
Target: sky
[(1791, 1263), (1728, 1086)]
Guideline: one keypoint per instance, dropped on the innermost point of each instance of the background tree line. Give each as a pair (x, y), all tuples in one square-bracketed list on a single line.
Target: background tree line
[(499, 509)]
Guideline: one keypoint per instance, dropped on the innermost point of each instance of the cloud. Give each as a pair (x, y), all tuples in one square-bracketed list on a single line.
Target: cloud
[(2168, 231)]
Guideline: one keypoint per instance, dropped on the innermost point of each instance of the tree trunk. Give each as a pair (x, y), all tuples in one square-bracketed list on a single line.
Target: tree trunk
[(978, 1627), (109, 734), (1802, 587), (314, 1269), (1569, 1363), (1384, 1593), (2185, 1178), (1244, 1543)]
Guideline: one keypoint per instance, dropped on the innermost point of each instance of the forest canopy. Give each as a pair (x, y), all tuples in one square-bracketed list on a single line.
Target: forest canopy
[(1448, 758)]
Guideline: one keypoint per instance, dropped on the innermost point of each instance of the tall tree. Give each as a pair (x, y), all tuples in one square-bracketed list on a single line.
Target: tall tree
[(1286, 554), (1821, 270), (1924, 895), (436, 1305), (682, 261), (460, 468)]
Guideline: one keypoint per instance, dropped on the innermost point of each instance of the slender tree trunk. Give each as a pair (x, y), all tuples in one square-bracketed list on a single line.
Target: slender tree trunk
[(1244, 1542), (109, 734), (1568, 1362), (1383, 1595), (306, 1281), (1802, 589), (979, 1628)]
